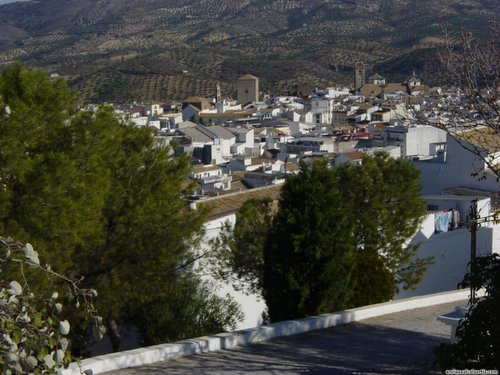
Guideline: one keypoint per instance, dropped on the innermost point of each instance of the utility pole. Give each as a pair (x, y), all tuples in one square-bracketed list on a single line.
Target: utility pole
[(473, 221)]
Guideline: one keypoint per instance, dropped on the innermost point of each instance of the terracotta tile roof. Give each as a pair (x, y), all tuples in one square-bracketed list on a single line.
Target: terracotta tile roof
[(483, 137), (353, 155), (394, 87), (371, 89)]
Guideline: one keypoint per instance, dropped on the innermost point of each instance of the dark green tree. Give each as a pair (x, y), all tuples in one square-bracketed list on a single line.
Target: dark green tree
[(384, 200), (338, 239), (42, 197), (203, 314), (104, 193), (147, 227), (308, 254)]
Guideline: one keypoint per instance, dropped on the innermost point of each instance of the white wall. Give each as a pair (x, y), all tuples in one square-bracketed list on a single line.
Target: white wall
[(414, 140), (140, 121), (455, 171), (249, 138), (420, 139), (451, 250), (165, 352), (238, 149), (252, 305), (322, 107)]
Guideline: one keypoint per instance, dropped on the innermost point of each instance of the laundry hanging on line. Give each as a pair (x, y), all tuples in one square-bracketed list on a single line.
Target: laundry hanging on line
[(443, 221)]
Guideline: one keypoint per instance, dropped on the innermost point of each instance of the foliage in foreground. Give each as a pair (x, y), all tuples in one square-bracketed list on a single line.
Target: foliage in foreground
[(478, 334), (33, 322), (202, 313)]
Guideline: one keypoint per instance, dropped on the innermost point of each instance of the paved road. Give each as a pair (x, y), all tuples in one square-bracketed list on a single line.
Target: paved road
[(400, 343)]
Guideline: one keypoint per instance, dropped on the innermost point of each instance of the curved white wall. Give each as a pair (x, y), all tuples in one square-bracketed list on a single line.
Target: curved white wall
[(165, 352)]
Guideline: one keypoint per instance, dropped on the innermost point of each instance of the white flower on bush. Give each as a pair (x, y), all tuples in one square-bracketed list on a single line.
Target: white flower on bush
[(63, 327)]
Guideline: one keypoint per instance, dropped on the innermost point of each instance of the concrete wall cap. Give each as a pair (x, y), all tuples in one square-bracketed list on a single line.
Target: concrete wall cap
[(228, 340)]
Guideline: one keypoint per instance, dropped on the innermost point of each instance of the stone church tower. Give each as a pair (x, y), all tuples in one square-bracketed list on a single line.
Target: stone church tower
[(248, 89), (359, 77)]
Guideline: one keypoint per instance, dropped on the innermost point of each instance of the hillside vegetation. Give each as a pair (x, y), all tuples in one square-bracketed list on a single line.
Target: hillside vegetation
[(113, 50)]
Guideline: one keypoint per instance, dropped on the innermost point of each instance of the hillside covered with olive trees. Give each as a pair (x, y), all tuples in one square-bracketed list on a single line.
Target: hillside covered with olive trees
[(113, 50)]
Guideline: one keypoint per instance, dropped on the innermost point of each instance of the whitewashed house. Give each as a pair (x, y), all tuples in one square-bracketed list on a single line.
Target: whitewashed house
[(141, 121), (336, 92), (170, 120), (450, 246), (458, 167), (298, 128), (153, 109), (245, 142), (302, 145), (380, 116), (322, 111), (416, 140), (210, 177)]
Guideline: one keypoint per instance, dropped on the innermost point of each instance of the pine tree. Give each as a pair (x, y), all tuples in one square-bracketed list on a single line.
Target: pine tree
[(383, 196), (101, 199), (338, 239), (308, 255)]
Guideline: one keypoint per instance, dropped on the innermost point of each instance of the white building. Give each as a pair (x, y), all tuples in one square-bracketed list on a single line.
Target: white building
[(141, 121), (298, 128), (154, 109), (335, 92), (252, 305), (451, 172), (322, 111), (339, 118), (455, 167), (451, 249), (417, 140), (352, 157), (303, 145), (170, 120), (245, 140), (210, 177)]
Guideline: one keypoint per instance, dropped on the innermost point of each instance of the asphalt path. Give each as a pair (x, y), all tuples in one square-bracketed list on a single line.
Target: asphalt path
[(400, 343)]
